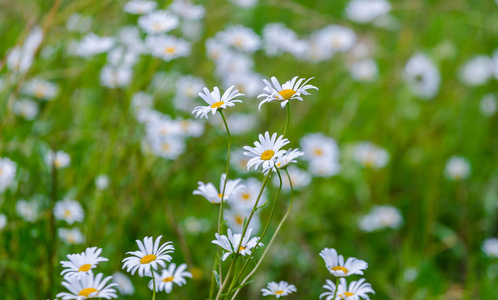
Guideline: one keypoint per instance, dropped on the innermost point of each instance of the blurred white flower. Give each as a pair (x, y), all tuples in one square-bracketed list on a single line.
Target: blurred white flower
[(422, 76), (59, 159), (490, 247), (477, 70), (41, 89), (168, 147), (20, 58), (335, 38), (190, 127), (231, 64), (167, 47), (278, 290), (325, 167), (122, 57), (298, 177), (364, 11), (124, 284), (186, 10), (244, 3), (384, 216), (457, 168), (159, 21), (240, 38), (170, 275), (8, 170), (195, 225), (187, 89), (114, 77), (71, 236), (140, 7), (488, 105), (102, 182), (78, 23), (26, 108), (322, 153), (69, 210), (28, 210), (410, 274), (215, 49), (245, 197), (249, 84), (92, 44), (370, 155), (364, 70), (278, 39), (3, 221), (239, 160), (240, 123), (235, 217)]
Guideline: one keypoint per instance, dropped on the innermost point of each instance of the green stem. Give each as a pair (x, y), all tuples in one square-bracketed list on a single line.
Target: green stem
[(288, 118), (153, 284), (336, 286), (227, 277), (273, 237)]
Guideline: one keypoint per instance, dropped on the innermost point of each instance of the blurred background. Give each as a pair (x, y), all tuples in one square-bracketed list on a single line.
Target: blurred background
[(405, 112)]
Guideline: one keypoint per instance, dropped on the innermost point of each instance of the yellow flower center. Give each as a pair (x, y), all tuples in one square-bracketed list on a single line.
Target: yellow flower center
[(1, 171), (318, 151), (71, 239), (165, 147), (169, 279), (246, 196), (57, 163), (220, 195), (267, 155), (67, 213), (86, 292), (287, 94), (239, 220), (85, 268), (157, 26), (242, 248), (339, 268), (239, 42), (217, 104), (347, 294), (169, 50), (39, 91), (279, 292), (148, 258)]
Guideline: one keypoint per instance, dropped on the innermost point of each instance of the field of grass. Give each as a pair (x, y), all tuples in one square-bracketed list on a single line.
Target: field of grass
[(435, 252)]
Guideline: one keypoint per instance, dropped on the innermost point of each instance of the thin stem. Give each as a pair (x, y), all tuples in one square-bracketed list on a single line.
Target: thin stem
[(52, 230), (288, 118), (227, 277), (273, 237), (336, 286), (153, 284)]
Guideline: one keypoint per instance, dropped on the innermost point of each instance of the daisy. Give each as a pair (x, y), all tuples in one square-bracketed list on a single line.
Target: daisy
[(488, 105), (457, 168), (266, 151), (337, 267), (124, 284), (248, 83), (41, 89), (167, 47), (240, 38), (71, 236), (292, 89), (169, 147), (187, 88), (246, 196), (231, 241), (288, 158), (26, 108), (236, 216), (215, 101), (477, 70), (278, 39), (422, 76), (325, 167), (384, 216), (355, 290), (28, 210), (364, 11), (210, 192), (82, 263), (490, 247), (318, 146), (233, 64), (140, 7), (365, 70), (93, 44), (172, 274), (88, 286), (60, 159), (370, 155), (114, 77), (335, 38), (102, 182), (187, 11), (158, 21), (299, 179), (278, 290), (68, 210), (148, 257), (8, 170)]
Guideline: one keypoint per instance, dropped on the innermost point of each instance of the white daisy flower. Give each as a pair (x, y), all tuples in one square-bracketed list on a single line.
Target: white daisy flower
[(247, 83), (60, 159), (123, 57), (457, 168), (355, 291), (102, 182), (266, 151), (41, 89), (240, 38), (140, 7), (364, 11), (337, 267), (278, 39), (92, 44), (210, 192), (245, 197), (187, 11), (231, 241), (82, 263), (191, 128), (477, 70), (172, 274), (123, 283), (3, 221), (187, 88), (335, 38), (88, 286), (215, 50), (488, 105), (8, 170), (114, 77), (148, 257), (370, 155), (244, 3), (422, 76), (233, 64), (68, 210), (292, 89), (71, 236), (364, 70), (167, 47), (326, 167), (278, 290), (159, 21), (490, 247), (288, 157), (169, 147), (236, 215), (20, 58), (384, 216), (28, 210), (26, 108), (319, 146), (299, 179), (215, 101), (195, 225)]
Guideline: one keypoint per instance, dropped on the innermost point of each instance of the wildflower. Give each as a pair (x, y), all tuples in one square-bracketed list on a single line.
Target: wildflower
[(92, 44), (68, 210), (140, 7), (191, 128), (187, 88), (210, 192), (335, 38), (370, 155), (299, 179), (337, 267), (292, 89), (186, 10), (365, 11), (231, 241), (236, 216), (167, 47), (168, 147), (248, 83), (364, 70), (246, 196), (477, 70), (215, 50), (26, 108), (233, 64), (123, 283), (172, 274), (278, 290), (244, 3), (266, 151), (41, 89), (422, 76), (323, 154), (355, 291), (59, 159), (325, 167), (457, 168), (114, 77), (488, 105), (380, 217), (102, 182), (88, 286), (82, 263), (148, 257), (288, 157), (278, 39), (3, 221), (28, 210), (490, 247), (158, 21), (195, 225), (78, 23), (71, 236), (240, 38), (8, 170), (20, 58), (215, 101)]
